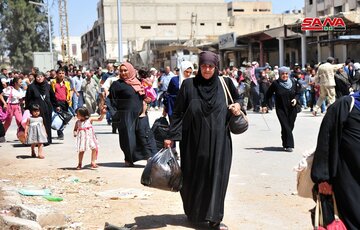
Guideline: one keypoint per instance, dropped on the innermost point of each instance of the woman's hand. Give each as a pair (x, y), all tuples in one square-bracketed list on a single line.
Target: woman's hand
[(235, 109), (147, 100), (293, 102), (167, 143), (325, 188)]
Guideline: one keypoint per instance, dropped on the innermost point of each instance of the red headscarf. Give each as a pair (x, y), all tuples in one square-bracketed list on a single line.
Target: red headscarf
[(132, 80)]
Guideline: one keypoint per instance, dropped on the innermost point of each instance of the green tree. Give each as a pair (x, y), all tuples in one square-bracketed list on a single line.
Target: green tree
[(25, 31)]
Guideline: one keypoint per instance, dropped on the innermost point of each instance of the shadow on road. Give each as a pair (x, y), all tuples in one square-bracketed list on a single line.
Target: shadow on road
[(161, 221), (24, 157), (269, 149), (118, 165), (108, 132)]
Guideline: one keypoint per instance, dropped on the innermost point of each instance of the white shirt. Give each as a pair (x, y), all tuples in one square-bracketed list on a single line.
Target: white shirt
[(16, 95)]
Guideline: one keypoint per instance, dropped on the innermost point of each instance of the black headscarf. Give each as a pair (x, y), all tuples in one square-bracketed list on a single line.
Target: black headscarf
[(208, 87), (42, 87)]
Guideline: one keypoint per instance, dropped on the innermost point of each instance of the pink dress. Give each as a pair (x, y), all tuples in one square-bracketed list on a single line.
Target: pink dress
[(85, 139)]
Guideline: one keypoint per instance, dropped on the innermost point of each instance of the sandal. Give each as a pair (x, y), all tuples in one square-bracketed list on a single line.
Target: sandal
[(78, 167), (218, 225), (94, 165)]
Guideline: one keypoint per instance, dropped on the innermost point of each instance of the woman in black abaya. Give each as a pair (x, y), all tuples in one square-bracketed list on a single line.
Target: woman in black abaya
[(336, 162), (127, 97), (199, 121), (284, 89), (40, 92)]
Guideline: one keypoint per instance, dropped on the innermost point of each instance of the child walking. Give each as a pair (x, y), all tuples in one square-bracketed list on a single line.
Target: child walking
[(85, 135), (35, 133)]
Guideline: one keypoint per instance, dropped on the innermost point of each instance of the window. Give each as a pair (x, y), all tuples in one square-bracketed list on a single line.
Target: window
[(337, 9), (145, 27), (264, 10), (255, 10), (267, 26), (239, 10), (74, 49), (218, 24), (310, 2), (202, 24), (166, 24)]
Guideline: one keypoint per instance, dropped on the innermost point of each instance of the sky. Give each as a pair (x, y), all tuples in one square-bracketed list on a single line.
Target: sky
[(82, 13)]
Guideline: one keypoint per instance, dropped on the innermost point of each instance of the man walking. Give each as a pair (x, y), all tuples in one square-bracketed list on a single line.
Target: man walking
[(326, 79), (62, 91)]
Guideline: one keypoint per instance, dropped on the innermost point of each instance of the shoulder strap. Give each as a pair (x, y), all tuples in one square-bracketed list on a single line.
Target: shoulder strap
[(352, 103), (226, 91)]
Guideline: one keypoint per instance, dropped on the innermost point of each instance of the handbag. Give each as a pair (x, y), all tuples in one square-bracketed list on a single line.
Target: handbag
[(3, 114), (56, 122), (336, 224), (237, 124), (304, 183)]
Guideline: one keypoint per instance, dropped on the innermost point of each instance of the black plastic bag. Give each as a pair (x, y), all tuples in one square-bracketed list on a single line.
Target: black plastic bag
[(162, 171), (65, 116), (160, 129)]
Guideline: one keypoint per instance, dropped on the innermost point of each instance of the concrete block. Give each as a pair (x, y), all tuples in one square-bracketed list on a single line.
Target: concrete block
[(44, 215), (11, 222)]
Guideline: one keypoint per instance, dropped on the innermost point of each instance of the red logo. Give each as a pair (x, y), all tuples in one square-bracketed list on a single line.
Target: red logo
[(328, 24)]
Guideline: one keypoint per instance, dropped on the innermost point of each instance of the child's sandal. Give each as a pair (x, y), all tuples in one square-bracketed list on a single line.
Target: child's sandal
[(94, 165), (78, 167)]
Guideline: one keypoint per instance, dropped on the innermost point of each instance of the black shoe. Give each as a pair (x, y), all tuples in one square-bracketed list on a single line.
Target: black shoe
[(60, 138), (113, 130)]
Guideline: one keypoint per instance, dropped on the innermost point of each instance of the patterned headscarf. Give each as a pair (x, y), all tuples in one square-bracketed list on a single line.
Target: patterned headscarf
[(132, 80)]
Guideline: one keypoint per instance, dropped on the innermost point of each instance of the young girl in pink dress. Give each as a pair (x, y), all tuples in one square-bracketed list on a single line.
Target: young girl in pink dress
[(85, 135)]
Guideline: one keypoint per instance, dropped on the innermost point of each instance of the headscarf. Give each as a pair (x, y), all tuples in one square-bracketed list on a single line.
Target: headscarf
[(288, 83), (208, 87), (184, 66), (42, 86), (132, 80)]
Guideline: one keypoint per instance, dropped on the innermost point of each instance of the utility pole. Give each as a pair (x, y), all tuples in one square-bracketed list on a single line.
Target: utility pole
[(193, 25), (49, 26), (120, 53), (64, 31)]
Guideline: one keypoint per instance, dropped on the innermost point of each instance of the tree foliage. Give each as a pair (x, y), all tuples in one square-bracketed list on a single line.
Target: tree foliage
[(23, 30)]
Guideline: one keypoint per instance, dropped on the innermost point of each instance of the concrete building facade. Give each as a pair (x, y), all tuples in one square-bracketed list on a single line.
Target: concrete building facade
[(339, 44), (74, 49), (148, 25)]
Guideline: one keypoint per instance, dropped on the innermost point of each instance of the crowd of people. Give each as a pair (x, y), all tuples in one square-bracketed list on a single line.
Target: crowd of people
[(194, 102)]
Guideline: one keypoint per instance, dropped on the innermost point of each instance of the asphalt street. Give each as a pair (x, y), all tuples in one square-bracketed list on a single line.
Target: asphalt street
[(261, 192)]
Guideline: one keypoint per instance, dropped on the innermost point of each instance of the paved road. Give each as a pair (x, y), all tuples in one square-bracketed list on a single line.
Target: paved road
[(260, 189)]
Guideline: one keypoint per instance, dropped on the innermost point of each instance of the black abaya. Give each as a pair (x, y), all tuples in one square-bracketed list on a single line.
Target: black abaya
[(135, 140), (205, 148), (46, 101), (337, 159), (285, 112)]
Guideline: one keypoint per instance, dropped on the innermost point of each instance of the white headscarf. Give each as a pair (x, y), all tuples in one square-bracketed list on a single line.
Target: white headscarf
[(184, 66)]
